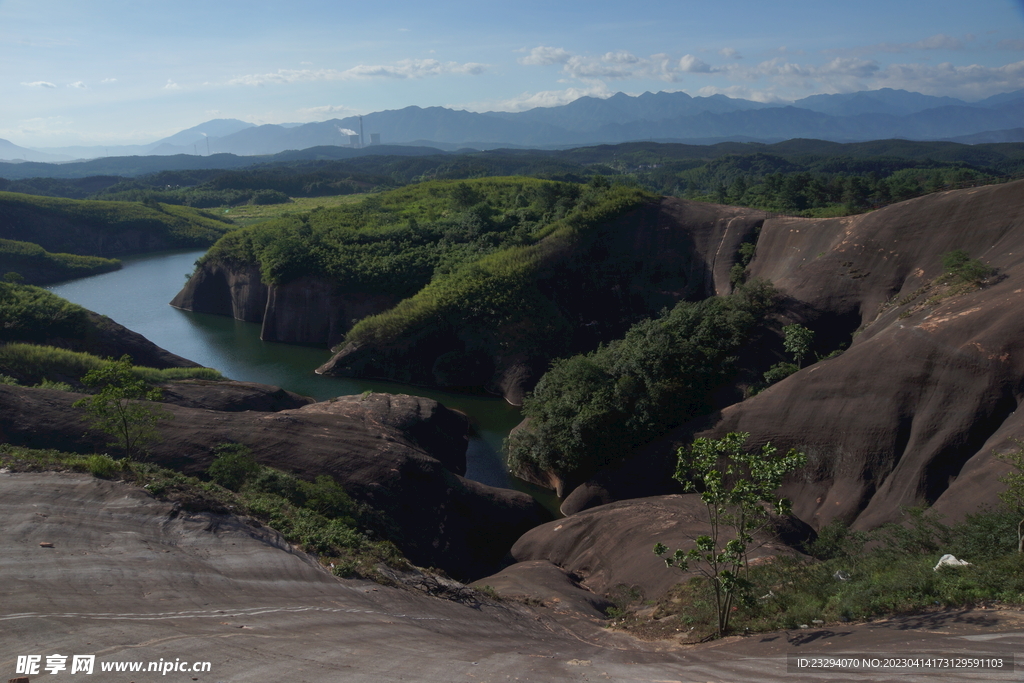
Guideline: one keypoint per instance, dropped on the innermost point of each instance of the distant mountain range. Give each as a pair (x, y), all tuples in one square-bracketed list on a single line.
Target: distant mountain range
[(663, 116)]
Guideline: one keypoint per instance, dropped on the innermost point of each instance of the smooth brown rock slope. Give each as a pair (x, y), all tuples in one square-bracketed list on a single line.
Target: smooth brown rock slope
[(389, 452), (607, 550), (930, 387)]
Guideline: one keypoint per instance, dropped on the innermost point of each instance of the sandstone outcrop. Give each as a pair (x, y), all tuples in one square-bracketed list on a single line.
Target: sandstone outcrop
[(307, 310), (231, 396), (929, 389), (609, 549), (435, 516)]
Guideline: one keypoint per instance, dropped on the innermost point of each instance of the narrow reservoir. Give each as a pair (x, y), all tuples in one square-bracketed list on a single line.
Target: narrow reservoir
[(137, 297)]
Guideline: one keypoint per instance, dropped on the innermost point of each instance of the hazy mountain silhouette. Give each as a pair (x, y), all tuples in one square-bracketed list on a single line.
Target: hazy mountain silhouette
[(663, 116)]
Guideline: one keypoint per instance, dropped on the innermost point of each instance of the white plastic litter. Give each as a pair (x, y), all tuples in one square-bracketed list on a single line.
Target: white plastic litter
[(948, 560)]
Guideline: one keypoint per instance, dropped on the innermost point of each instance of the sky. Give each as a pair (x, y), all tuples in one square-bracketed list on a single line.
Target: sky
[(134, 71)]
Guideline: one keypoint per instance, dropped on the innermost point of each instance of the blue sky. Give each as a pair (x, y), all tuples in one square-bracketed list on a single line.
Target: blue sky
[(118, 71)]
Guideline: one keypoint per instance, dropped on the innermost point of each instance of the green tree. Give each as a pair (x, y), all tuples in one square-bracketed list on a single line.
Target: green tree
[(1013, 496), (960, 267), (797, 341), (738, 489), (120, 408)]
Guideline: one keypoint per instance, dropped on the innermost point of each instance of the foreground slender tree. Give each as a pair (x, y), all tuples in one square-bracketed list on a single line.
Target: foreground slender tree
[(1013, 496), (122, 406), (738, 489)]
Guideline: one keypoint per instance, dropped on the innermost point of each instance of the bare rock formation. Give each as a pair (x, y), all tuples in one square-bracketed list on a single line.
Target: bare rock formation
[(436, 517), (929, 388), (609, 549), (231, 396)]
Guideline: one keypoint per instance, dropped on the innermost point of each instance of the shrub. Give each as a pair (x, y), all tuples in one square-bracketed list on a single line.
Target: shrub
[(961, 268), (102, 466), (779, 372), (233, 467)]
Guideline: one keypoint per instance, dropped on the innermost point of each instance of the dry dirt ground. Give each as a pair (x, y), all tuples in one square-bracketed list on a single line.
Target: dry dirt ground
[(128, 579)]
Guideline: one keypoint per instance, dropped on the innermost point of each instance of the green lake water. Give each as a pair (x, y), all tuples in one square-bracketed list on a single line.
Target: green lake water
[(137, 297)]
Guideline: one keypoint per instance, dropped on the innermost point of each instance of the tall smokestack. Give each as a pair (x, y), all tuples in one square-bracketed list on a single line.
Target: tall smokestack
[(361, 144)]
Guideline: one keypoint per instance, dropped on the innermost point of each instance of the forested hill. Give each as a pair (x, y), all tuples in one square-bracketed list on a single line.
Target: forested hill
[(791, 176), (46, 239)]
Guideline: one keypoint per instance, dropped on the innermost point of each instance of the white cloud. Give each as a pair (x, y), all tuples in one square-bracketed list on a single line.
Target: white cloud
[(109, 80), (1011, 44), (40, 84), (742, 92), (784, 78), (617, 65), (409, 68), (542, 56), (620, 57), (691, 64), (171, 85), (587, 67), (77, 84), (973, 81), (546, 98)]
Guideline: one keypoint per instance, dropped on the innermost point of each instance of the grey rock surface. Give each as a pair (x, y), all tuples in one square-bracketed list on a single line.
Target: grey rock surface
[(129, 579)]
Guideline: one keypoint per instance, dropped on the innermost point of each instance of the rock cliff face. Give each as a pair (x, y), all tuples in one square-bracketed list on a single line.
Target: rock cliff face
[(233, 289), (308, 310), (929, 390)]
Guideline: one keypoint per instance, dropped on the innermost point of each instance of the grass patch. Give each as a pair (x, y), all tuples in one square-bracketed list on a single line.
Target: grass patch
[(32, 364), (317, 516), (250, 214)]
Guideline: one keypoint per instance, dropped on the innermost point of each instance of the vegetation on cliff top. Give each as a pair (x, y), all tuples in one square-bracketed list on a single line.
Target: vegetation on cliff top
[(102, 227), (39, 266), (456, 252), (40, 365)]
